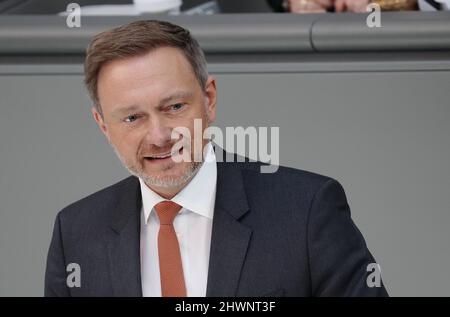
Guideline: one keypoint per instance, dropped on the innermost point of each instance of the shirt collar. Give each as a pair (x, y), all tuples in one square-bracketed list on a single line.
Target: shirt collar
[(198, 195)]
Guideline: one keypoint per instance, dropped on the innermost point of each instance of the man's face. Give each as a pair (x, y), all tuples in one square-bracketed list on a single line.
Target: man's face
[(143, 99)]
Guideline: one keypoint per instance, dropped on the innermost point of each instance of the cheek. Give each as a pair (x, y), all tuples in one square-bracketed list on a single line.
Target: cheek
[(126, 143)]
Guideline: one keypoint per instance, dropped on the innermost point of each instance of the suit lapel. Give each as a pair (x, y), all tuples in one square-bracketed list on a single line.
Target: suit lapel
[(230, 238), (124, 242)]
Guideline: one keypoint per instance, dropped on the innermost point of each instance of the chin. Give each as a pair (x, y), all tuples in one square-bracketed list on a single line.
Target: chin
[(174, 177)]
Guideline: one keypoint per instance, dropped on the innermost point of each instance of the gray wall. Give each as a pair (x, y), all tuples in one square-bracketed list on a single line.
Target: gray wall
[(376, 122)]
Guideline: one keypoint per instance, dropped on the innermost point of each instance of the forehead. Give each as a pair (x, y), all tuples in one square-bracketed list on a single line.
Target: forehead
[(161, 69)]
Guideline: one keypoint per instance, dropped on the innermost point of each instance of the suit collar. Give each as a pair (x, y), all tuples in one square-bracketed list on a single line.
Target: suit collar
[(230, 238), (128, 205), (124, 243), (231, 195)]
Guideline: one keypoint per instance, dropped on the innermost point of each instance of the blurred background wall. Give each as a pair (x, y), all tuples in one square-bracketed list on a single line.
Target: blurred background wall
[(376, 119)]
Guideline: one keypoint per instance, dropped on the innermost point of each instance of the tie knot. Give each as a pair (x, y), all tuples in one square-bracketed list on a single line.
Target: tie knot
[(167, 210)]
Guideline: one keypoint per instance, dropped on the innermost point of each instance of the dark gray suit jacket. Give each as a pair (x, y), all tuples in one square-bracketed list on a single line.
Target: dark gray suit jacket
[(283, 234)]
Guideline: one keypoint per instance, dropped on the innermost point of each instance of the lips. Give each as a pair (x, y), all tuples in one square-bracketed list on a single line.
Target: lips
[(160, 156)]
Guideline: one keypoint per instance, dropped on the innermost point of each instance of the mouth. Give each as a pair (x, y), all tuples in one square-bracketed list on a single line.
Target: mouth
[(161, 158)]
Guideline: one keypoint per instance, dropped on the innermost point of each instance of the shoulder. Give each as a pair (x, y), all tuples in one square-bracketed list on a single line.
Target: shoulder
[(258, 172), (292, 186), (285, 178), (99, 204), (285, 199)]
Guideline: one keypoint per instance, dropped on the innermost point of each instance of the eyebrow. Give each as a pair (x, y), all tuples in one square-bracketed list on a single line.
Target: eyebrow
[(179, 94), (175, 95)]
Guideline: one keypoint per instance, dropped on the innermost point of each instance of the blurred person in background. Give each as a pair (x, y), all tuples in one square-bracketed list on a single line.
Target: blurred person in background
[(321, 6)]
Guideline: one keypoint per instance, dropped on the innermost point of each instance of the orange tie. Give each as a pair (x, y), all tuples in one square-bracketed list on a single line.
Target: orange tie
[(170, 266)]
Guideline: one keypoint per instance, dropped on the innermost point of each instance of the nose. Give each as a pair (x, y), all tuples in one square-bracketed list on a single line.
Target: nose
[(158, 132)]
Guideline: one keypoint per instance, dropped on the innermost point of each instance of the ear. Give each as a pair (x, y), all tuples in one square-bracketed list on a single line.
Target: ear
[(211, 98), (100, 122)]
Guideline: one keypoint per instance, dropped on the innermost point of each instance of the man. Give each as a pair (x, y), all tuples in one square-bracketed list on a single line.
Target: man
[(193, 227)]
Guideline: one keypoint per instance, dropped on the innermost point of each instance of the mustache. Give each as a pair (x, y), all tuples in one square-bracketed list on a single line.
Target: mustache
[(155, 151), (174, 145)]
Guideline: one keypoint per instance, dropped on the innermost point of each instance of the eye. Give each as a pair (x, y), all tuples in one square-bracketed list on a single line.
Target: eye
[(131, 118), (176, 107)]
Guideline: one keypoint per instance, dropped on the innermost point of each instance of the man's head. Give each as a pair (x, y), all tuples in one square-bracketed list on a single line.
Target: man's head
[(145, 79)]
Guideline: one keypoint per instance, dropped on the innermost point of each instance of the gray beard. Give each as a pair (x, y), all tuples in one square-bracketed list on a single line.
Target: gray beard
[(163, 182), (168, 182)]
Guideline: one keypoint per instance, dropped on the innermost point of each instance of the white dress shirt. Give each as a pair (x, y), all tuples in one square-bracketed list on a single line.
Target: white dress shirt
[(193, 226)]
